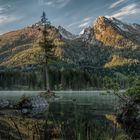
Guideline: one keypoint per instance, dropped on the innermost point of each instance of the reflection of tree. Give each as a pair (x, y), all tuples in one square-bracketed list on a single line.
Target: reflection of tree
[(19, 128), (69, 121)]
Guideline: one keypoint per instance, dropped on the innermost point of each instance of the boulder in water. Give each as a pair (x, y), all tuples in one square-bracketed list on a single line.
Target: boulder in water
[(4, 103)]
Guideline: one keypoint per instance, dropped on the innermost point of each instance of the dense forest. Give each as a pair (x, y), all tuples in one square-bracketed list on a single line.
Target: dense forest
[(67, 77)]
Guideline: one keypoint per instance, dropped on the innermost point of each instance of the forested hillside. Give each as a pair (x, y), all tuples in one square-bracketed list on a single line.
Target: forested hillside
[(108, 48)]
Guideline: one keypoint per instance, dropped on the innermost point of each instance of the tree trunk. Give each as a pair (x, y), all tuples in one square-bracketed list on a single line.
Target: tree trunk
[(47, 77)]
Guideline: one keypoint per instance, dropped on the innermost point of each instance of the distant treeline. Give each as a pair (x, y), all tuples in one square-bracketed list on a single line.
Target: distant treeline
[(67, 78)]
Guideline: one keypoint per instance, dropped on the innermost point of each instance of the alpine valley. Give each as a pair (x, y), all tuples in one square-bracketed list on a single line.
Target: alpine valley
[(109, 47)]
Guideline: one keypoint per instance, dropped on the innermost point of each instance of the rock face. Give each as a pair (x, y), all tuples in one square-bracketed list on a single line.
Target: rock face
[(114, 33), (97, 46), (121, 40)]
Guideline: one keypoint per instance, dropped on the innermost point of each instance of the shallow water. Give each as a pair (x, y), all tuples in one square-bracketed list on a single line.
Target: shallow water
[(75, 115)]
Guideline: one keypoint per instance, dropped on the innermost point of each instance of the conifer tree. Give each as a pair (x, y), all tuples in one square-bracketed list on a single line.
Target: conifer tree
[(47, 45)]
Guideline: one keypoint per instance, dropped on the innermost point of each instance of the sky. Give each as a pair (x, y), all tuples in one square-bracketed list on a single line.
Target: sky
[(74, 15)]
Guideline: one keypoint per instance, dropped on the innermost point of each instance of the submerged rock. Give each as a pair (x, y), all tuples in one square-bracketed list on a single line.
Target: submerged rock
[(4, 103), (24, 102), (38, 101), (32, 105)]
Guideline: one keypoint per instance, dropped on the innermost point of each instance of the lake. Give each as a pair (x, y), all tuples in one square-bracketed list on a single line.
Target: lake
[(73, 116)]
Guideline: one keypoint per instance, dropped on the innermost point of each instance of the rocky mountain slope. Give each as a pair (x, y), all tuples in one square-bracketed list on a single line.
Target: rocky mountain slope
[(108, 43), (122, 39)]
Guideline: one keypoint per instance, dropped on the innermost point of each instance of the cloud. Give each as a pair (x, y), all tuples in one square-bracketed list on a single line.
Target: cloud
[(79, 26), (5, 16), (54, 3), (62, 3), (85, 22), (115, 4), (83, 25), (73, 24), (5, 9), (126, 11), (49, 3), (1, 10), (87, 19), (7, 19)]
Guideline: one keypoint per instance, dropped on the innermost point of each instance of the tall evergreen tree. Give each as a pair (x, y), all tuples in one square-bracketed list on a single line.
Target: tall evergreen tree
[(47, 45)]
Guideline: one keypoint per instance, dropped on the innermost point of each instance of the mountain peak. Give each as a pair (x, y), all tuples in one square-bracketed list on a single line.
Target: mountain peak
[(112, 32), (110, 18), (66, 34), (61, 28), (107, 20)]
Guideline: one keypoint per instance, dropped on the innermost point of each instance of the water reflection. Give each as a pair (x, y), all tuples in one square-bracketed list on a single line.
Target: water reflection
[(72, 117)]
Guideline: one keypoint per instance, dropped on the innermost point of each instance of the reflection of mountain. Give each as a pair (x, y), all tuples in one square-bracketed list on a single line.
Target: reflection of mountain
[(108, 43), (66, 120)]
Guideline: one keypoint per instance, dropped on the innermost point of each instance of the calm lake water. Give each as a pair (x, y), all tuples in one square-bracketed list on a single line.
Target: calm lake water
[(72, 116)]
